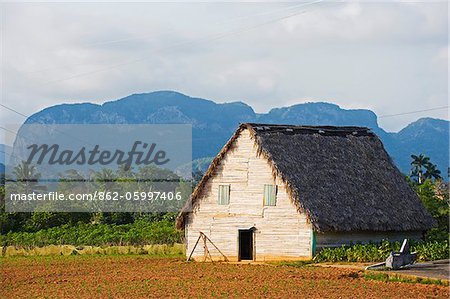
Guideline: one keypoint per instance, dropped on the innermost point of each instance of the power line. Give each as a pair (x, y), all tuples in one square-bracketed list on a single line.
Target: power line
[(413, 112), (268, 12), (287, 8), (11, 155), (381, 116), (37, 121), (206, 38), (15, 111), (8, 130)]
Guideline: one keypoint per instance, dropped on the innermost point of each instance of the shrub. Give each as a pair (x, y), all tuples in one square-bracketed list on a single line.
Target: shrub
[(137, 233), (378, 252)]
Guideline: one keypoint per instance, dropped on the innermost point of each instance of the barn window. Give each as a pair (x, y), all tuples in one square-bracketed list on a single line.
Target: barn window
[(224, 194), (270, 195)]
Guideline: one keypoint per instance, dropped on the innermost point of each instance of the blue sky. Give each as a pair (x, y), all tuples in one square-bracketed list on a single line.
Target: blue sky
[(390, 57)]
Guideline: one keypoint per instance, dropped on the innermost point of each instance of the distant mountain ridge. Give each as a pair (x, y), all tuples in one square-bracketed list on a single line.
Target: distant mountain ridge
[(2, 153), (3, 150), (213, 123)]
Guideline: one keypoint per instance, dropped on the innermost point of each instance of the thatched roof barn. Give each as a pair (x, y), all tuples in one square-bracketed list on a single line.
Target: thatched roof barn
[(340, 182)]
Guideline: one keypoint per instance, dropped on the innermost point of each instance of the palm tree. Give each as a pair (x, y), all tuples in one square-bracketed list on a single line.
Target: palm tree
[(123, 172), (27, 177), (418, 163), (105, 178), (71, 180), (25, 172), (431, 172)]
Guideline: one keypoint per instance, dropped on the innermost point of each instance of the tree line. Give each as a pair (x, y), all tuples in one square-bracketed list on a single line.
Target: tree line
[(424, 178)]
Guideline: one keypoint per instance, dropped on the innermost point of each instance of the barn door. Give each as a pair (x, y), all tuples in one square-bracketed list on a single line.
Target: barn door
[(246, 244)]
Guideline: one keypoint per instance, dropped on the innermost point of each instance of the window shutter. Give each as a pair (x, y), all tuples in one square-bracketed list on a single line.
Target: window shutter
[(270, 195), (224, 194)]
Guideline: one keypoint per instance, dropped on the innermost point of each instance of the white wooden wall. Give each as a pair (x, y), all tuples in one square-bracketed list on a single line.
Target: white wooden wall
[(282, 232)]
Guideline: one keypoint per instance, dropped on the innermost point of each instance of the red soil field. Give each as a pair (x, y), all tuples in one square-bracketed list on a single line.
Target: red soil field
[(143, 277)]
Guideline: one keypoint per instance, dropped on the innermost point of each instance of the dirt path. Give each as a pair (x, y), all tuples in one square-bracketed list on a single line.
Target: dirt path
[(434, 270)]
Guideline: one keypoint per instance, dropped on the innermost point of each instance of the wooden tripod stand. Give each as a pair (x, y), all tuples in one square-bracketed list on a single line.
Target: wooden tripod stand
[(205, 247)]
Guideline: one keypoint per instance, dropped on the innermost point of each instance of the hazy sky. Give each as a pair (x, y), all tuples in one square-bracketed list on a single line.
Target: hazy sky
[(388, 57)]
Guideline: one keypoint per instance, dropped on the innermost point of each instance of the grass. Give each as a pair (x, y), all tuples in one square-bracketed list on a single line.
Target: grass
[(297, 264), (401, 278), (157, 250)]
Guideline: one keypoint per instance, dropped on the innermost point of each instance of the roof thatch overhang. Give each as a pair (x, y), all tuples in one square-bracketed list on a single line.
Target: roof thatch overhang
[(340, 177)]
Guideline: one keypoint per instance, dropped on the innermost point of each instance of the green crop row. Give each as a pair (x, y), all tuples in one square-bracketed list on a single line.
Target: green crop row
[(378, 252), (137, 233)]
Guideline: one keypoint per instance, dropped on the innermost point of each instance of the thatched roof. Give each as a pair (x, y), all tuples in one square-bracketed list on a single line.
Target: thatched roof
[(341, 177)]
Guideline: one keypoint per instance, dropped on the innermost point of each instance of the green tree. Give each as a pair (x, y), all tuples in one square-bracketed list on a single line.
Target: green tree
[(437, 206), (123, 172), (418, 163), (105, 179), (27, 178), (423, 169), (431, 172)]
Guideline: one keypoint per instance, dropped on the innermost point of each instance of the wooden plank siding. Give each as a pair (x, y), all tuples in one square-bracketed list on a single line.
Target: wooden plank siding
[(281, 232)]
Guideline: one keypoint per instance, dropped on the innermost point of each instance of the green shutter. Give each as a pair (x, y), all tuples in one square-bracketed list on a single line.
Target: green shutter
[(224, 194), (313, 243), (270, 195)]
